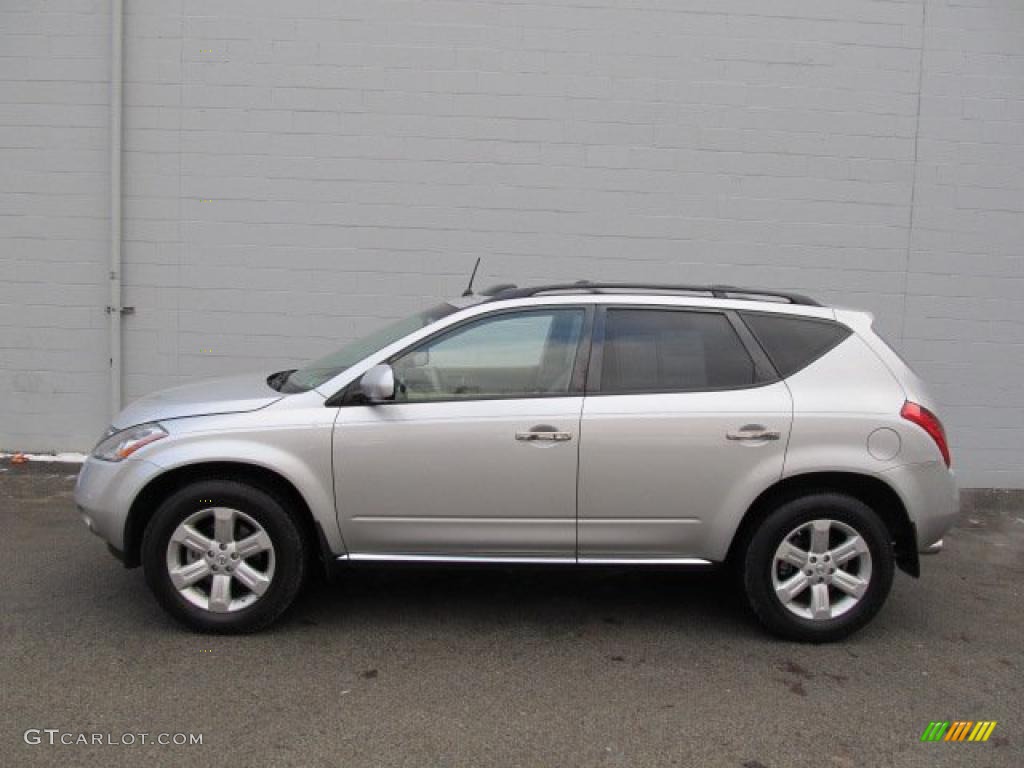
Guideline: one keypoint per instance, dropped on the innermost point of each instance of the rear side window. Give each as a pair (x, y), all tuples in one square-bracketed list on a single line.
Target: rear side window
[(793, 343), (653, 350)]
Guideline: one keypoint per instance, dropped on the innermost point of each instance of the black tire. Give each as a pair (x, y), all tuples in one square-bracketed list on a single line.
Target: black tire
[(289, 553), (759, 561)]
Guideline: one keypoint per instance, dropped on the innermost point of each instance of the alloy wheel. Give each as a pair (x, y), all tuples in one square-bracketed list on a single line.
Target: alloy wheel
[(220, 559), (821, 570)]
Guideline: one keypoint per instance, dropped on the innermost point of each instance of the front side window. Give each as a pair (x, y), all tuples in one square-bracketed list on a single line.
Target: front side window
[(656, 350), (513, 354)]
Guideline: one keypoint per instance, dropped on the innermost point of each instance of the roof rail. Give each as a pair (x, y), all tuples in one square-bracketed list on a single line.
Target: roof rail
[(717, 291)]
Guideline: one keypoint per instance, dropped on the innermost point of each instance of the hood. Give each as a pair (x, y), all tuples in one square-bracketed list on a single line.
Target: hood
[(232, 394)]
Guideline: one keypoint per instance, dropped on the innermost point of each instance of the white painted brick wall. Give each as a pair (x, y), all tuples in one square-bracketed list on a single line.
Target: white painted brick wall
[(297, 172), (963, 324), (54, 190)]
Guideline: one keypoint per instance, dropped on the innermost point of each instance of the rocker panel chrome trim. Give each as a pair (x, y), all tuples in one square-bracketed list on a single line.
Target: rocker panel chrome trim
[(525, 560)]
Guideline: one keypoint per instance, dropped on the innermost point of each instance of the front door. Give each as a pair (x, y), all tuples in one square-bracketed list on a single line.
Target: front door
[(477, 455)]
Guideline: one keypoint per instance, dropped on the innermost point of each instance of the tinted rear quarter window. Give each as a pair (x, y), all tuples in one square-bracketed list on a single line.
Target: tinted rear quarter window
[(653, 350), (792, 342)]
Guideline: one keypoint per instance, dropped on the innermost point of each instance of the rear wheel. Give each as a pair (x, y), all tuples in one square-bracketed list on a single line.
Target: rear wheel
[(819, 567), (221, 556)]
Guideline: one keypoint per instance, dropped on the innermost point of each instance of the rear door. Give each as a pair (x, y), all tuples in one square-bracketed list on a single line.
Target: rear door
[(684, 414)]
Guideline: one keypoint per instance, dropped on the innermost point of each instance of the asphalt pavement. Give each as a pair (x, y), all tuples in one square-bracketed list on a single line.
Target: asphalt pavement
[(497, 667)]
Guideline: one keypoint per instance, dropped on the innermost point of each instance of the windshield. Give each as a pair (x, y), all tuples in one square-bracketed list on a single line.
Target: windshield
[(317, 372)]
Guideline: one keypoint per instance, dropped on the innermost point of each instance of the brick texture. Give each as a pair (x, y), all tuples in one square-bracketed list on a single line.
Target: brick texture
[(295, 173), (54, 225)]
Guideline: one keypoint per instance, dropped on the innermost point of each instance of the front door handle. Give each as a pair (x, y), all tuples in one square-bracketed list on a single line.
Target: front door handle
[(753, 433), (545, 433)]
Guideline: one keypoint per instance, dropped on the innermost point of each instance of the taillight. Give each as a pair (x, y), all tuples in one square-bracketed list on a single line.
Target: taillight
[(930, 423)]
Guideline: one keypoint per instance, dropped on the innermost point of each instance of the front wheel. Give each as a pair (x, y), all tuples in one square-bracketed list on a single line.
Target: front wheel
[(819, 567), (222, 556)]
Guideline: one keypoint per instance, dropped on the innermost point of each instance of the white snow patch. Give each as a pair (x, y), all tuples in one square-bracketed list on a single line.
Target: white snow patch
[(63, 458)]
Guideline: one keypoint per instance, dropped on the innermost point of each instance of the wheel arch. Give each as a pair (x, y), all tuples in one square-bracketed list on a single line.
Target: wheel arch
[(166, 483), (874, 492)]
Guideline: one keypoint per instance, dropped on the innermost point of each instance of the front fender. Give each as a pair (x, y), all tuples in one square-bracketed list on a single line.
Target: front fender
[(296, 448)]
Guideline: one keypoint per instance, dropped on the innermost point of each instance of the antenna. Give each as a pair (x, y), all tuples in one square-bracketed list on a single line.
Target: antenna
[(472, 277)]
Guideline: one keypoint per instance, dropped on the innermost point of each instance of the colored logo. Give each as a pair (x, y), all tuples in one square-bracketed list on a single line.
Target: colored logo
[(959, 730)]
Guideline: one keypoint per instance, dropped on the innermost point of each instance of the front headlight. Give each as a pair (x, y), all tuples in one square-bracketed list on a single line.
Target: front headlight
[(121, 445)]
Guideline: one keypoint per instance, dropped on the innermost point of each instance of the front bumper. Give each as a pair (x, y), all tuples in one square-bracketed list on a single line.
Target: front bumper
[(104, 494)]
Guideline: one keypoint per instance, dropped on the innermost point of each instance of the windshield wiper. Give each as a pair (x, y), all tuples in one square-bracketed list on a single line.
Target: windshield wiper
[(277, 380)]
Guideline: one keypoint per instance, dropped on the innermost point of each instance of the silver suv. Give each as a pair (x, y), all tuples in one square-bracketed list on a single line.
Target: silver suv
[(578, 424)]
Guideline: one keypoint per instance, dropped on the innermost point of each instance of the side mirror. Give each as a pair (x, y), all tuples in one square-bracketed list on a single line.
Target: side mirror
[(378, 384)]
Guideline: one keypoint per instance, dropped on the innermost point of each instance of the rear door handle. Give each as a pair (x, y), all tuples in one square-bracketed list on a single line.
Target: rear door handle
[(753, 433)]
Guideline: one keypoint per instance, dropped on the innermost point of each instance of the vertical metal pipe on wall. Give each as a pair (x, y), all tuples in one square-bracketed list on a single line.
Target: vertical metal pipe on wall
[(114, 306)]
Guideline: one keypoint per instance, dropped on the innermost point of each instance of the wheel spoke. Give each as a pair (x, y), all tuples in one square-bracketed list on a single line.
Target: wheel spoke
[(190, 538), (185, 576), (790, 553), (820, 606), (224, 525), (850, 584), (792, 586), (849, 549), (819, 536), (253, 545), (220, 593), (248, 576)]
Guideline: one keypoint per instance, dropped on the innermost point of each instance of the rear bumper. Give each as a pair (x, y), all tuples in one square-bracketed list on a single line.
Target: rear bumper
[(932, 499), (934, 549)]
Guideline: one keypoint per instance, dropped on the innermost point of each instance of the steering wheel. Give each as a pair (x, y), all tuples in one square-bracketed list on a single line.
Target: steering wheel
[(434, 378), (427, 381)]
